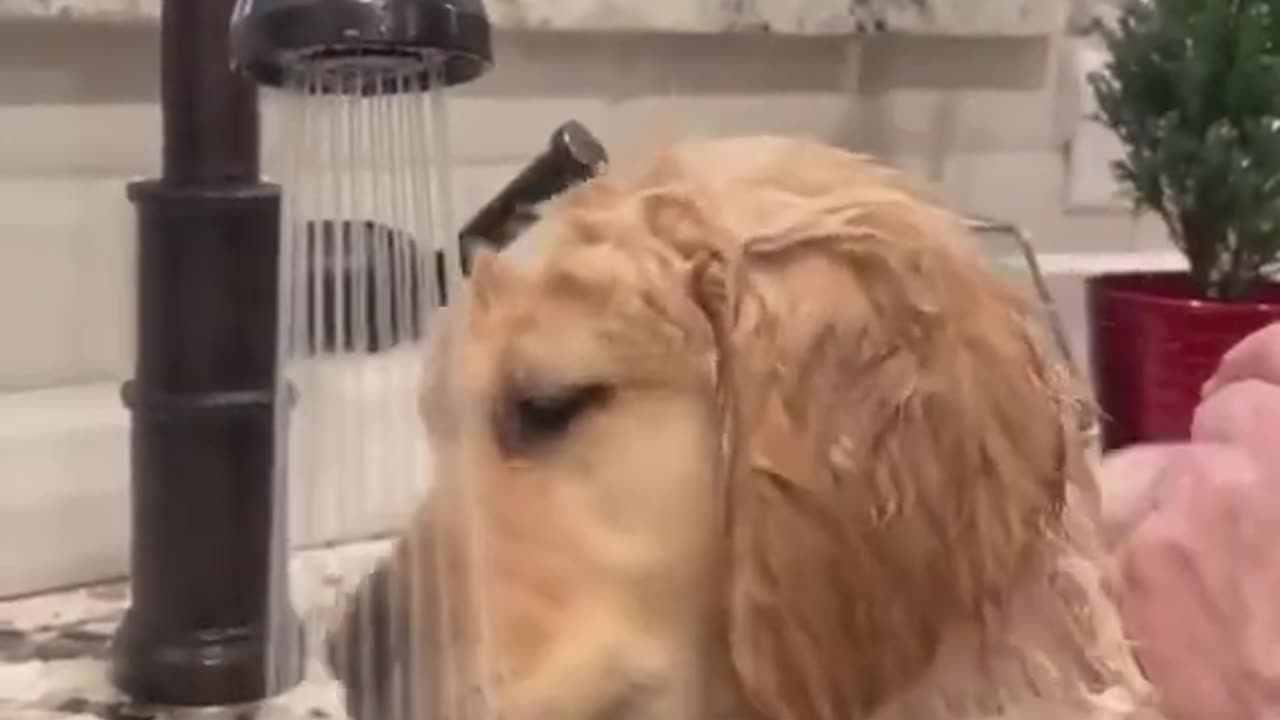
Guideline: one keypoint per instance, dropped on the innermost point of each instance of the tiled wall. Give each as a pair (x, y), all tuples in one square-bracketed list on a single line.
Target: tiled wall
[(988, 118)]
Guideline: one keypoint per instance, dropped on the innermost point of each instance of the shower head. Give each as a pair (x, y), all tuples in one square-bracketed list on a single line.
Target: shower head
[(380, 46)]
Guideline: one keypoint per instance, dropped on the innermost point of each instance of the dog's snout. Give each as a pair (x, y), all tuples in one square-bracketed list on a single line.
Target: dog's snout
[(370, 649)]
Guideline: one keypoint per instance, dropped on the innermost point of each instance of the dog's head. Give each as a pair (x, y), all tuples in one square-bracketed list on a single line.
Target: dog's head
[(759, 413)]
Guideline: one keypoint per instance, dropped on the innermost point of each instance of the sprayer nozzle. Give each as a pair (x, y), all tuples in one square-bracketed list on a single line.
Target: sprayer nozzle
[(370, 46), (573, 155)]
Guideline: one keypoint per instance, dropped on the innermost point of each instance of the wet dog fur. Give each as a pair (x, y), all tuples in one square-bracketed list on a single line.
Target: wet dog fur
[(759, 436)]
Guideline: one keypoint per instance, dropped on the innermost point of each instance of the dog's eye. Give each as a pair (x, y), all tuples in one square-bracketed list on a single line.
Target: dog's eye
[(532, 418)]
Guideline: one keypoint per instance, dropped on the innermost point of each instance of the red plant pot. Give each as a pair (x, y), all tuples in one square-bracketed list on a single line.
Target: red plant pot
[(1153, 344)]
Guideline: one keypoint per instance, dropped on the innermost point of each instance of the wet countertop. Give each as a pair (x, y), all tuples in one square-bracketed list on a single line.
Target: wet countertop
[(799, 17), (54, 648)]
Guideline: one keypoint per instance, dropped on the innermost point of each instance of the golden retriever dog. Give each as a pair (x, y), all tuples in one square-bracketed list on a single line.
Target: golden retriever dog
[(758, 436)]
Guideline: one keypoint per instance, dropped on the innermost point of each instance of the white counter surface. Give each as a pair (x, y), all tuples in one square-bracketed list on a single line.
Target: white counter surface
[(54, 647)]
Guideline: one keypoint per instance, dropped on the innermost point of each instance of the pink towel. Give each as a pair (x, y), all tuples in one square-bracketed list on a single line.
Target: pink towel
[(1196, 533), (1256, 357)]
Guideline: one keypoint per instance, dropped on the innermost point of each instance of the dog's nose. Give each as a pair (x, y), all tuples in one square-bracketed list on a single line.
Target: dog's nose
[(371, 650)]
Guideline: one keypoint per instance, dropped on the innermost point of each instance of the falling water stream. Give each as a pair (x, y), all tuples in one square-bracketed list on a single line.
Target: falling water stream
[(367, 240)]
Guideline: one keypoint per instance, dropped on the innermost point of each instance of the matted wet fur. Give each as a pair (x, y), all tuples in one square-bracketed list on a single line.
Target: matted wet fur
[(760, 436)]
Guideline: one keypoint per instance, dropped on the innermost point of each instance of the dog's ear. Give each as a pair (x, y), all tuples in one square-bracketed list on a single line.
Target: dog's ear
[(896, 455)]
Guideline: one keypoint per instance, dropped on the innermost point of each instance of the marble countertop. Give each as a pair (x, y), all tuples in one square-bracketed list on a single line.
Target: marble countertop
[(54, 648), (795, 17)]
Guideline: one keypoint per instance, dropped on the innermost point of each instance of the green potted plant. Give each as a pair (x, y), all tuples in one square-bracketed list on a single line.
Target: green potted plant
[(1192, 90)]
